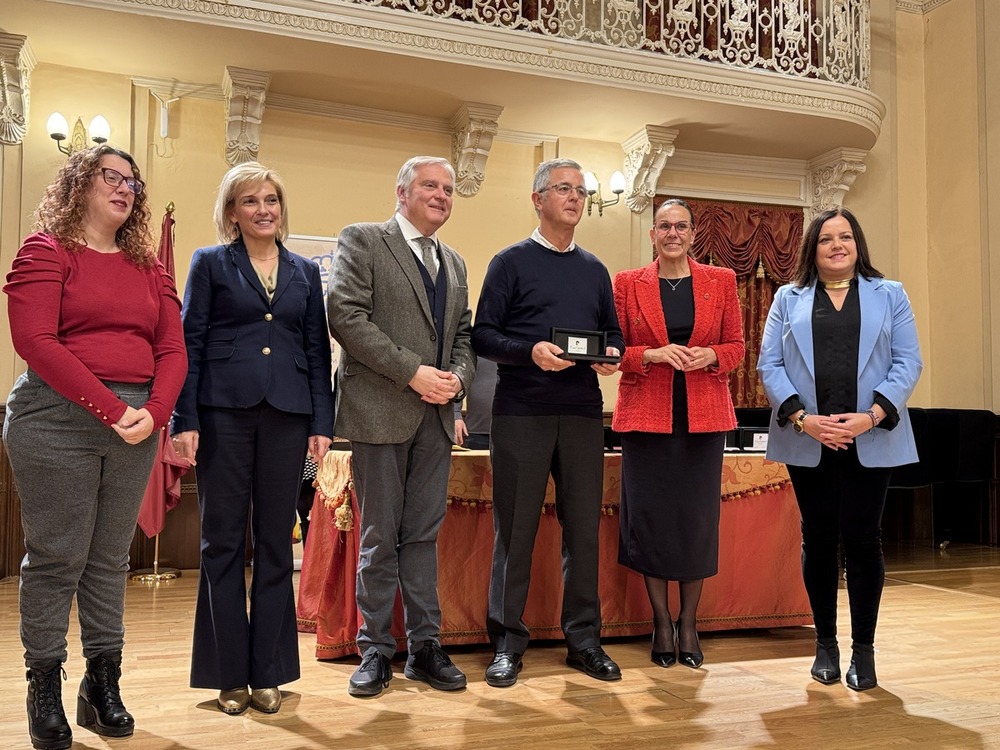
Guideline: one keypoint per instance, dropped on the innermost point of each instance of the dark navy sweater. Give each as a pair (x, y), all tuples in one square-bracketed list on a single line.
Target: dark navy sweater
[(527, 291)]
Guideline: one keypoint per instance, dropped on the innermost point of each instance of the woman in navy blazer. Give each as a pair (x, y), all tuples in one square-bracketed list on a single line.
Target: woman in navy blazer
[(839, 359), (683, 335), (257, 396)]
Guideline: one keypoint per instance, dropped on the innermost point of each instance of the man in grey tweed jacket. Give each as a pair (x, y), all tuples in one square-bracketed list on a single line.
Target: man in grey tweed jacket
[(398, 304)]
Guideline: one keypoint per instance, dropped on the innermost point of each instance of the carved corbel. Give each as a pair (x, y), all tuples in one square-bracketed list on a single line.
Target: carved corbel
[(475, 126), (16, 64), (244, 91), (646, 153), (832, 175)]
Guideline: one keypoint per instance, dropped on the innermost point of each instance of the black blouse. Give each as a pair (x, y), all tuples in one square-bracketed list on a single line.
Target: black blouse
[(677, 299)]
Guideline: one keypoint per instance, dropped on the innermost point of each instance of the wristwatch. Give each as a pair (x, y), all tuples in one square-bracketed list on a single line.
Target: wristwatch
[(799, 425)]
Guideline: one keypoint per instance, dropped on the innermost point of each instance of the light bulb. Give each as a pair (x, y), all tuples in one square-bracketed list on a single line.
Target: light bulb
[(100, 129), (56, 126)]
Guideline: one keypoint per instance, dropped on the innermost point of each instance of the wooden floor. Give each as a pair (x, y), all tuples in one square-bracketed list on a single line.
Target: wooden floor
[(938, 664)]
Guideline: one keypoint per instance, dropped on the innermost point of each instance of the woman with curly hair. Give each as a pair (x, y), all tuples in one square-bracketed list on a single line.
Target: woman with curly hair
[(97, 319)]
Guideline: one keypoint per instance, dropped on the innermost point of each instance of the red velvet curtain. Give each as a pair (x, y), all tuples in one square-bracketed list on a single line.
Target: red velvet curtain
[(760, 243)]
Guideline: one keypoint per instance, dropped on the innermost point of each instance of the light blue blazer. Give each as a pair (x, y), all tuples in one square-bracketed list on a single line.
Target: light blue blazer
[(888, 362)]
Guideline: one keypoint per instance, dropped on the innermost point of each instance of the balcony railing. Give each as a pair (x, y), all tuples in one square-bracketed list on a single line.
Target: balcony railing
[(827, 40)]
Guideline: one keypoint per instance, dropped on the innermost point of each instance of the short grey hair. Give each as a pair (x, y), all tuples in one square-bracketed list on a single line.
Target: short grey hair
[(408, 172), (249, 174), (544, 171)]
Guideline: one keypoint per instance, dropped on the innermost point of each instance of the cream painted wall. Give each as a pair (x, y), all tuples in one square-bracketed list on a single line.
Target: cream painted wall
[(955, 262)]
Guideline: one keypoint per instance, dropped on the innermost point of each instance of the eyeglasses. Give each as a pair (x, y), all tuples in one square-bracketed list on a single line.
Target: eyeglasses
[(115, 178), (564, 189), (682, 227)]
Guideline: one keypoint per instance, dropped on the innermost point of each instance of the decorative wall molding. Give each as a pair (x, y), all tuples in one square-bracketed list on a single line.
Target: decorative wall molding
[(646, 153), (170, 88), (244, 91), (16, 63), (918, 6), (474, 127), (734, 169), (454, 41), (833, 174)]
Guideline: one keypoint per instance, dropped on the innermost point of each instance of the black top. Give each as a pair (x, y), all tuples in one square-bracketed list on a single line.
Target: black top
[(836, 337), (677, 298)]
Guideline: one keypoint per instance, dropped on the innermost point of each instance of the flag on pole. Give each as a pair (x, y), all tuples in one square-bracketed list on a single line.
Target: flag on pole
[(163, 491)]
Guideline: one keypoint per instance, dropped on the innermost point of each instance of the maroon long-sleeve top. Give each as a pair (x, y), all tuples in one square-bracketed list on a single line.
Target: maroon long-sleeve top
[(79, 317)]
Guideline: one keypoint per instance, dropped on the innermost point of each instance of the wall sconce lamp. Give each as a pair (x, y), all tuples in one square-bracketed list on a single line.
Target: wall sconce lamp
[(58, 129), (617, 185)]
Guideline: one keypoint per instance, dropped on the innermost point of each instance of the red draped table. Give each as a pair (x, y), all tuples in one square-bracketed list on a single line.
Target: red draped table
[(759, 584)]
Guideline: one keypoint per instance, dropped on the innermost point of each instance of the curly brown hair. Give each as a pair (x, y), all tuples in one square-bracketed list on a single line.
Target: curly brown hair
[(63, 210)]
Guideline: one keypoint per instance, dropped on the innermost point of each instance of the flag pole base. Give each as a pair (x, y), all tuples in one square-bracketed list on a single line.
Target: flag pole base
[(156, 573)]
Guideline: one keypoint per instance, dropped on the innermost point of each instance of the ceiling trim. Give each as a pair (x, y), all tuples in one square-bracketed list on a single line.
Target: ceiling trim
[(918, 6), (795, 171), (444, 39)]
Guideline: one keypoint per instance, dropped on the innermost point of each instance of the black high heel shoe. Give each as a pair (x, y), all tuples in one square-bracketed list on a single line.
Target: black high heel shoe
[(665, 658), (861, 674), (691, 659), (826, 667)]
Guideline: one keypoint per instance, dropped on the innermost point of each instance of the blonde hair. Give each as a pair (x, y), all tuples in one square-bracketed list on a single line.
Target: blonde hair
[(61, 213), (236, 180)]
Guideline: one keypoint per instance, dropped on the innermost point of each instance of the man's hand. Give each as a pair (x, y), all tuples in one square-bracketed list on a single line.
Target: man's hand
[(461, 431), (186, 445), (435, 386), (607, 368), (545, 355)]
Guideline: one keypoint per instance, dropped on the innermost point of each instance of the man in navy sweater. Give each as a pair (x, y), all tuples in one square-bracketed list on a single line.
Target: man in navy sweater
[(547, 418)]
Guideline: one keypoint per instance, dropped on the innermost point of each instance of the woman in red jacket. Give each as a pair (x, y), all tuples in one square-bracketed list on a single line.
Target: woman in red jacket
[(683, 335)]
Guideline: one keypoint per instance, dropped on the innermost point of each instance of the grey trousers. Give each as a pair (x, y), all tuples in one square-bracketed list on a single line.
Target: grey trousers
[(402, 492), (81, 487)]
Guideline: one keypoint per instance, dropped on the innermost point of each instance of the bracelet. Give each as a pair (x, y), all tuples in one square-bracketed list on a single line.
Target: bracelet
[(875, 420)]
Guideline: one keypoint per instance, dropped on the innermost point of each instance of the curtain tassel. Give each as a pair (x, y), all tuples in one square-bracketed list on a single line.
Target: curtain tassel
[(760, 268)]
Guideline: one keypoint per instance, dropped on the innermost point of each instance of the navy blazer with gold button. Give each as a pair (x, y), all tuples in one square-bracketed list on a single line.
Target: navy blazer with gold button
[(243, 349)]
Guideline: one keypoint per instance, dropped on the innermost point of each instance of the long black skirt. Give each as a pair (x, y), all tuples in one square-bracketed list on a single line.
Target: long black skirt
[(671, 498)]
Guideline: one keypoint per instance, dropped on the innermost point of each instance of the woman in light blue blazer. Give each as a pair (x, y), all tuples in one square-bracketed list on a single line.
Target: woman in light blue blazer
[(839, 359)]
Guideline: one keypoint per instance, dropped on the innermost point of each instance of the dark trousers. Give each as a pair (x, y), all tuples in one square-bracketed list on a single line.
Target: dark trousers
[(524, 451), (402, 493), (249, 465), (842, 501)]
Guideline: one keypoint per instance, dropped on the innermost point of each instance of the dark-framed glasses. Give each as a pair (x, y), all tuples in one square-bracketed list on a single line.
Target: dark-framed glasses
[(115, 178), (564, 189), (682, 227)]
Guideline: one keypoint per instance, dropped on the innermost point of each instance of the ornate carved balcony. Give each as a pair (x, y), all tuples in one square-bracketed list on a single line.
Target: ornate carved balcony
[(826, 40)]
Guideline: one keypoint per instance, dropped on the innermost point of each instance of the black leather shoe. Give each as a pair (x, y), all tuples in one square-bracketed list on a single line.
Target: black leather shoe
[(665, 658), (861, 673), (595, 663), (99, 703), (690, 659), (431, 665), (371, 676), (47, 725), (502, 671), (826, 667)]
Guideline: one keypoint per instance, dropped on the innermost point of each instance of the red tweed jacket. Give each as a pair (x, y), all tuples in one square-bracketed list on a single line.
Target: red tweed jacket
[(645, 393)]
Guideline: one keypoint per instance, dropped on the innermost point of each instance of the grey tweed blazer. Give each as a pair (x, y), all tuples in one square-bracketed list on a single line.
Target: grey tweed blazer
[(378, 311)]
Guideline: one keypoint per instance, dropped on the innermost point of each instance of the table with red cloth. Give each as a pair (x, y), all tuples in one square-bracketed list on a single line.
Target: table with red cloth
[(759, 584)]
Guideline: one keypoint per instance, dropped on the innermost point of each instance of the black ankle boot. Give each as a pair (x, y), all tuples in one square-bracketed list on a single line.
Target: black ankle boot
[(47, 725), (826, 668), (99, 703), (861, 674)]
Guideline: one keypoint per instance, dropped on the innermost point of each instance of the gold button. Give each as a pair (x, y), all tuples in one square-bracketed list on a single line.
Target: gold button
[(98, 411), (105, 419), (89, 405), (268, 316), (265, 351), (83, 398)]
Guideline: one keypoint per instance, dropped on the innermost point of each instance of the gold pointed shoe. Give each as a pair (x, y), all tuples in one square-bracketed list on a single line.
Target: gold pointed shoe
[(266, 700), (234, 701)]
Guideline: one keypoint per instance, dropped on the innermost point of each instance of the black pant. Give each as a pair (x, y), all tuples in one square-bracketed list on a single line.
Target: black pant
[(842, 501)]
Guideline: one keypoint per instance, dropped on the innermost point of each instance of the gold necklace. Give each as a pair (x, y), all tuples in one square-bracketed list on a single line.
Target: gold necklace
[(843, 284), (254, 257)]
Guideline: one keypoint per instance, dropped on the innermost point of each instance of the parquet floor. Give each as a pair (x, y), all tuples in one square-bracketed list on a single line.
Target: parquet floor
[(938, 663)]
